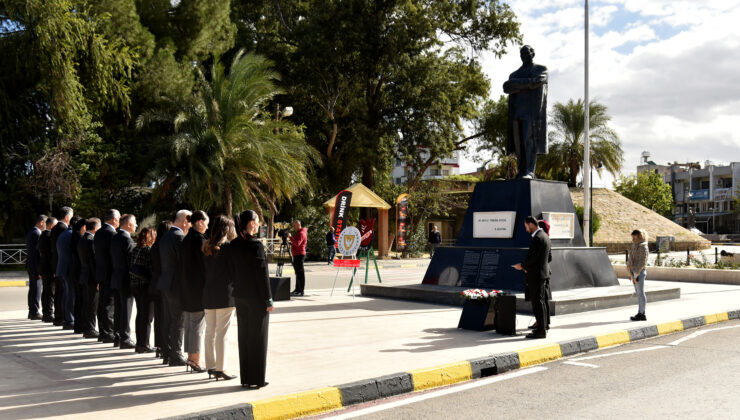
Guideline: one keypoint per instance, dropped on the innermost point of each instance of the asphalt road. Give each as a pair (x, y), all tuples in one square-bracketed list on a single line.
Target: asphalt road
[(693, 374)]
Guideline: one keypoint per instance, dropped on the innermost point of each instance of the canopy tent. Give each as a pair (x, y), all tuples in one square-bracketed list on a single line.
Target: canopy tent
[(363, 197)]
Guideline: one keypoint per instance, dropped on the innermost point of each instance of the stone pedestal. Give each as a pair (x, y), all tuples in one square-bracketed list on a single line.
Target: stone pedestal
[(480, 261)]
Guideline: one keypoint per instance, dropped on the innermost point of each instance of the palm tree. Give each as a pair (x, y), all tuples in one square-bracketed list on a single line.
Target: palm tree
[(225, 150), (565, 156)]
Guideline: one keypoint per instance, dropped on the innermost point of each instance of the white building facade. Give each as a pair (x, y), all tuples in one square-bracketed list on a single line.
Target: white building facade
[(442, 169)]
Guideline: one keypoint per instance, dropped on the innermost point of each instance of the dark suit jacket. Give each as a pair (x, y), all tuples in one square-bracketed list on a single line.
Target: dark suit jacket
[(248, 266), (86, 252), (33, 257), (45, 254), (120, 256), (192, 272), (169, 255), (156, 268), (64, 254), (74, 262), (537, 262), (219, 285), (103, 267), (57, 230)]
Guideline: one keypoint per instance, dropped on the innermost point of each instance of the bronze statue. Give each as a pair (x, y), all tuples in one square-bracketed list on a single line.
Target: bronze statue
[(527, 128)]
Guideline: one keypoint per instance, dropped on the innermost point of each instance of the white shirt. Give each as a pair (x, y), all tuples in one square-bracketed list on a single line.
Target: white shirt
[(535, 232)]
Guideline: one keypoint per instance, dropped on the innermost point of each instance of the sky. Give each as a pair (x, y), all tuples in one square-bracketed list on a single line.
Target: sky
[(668, 72)]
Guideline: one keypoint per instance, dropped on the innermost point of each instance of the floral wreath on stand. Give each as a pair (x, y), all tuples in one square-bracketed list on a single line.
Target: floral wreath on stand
[(480, 294)]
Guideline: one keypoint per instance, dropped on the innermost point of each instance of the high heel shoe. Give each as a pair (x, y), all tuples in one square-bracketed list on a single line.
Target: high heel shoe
[(212, 372), (223, 375), (191, 365)]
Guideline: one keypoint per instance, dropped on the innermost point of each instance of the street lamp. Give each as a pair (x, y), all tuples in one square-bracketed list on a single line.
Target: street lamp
[(286, 112), (591, 202)]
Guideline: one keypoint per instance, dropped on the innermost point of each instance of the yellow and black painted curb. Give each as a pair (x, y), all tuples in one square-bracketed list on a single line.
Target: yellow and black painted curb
[(13, 283), (323, 400)]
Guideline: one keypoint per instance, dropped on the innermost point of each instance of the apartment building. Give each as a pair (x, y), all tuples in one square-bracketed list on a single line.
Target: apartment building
[(442, 169)]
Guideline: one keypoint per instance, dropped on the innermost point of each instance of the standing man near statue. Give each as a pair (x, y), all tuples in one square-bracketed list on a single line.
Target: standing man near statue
[(536, 268), (527, 127)]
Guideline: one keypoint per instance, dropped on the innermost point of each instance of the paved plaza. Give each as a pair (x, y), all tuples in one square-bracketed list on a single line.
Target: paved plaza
[(315, 341)]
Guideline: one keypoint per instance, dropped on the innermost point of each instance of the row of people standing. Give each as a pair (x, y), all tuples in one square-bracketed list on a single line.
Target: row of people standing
[(185, 284)]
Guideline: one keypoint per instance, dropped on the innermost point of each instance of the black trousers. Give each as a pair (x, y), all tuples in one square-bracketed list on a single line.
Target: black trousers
[(35, 287), (526, 152), (538, 294), (253, 321), (89, 307), (58, 300), (160, 314), (79, 311), (122, 314), (47, 295), (300, 273), (144, 315), (175, 326), (106, 311)]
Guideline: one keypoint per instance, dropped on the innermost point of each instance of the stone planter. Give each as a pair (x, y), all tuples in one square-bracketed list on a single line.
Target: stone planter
[(687, 275)]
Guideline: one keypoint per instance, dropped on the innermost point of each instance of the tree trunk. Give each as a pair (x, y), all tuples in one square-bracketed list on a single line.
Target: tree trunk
[(229, 200)]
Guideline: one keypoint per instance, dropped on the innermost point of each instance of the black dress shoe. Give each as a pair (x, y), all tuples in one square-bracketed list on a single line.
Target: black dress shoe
[(177, 362), (144, 349), (116, 342), (58, 323), (35, 317), (68, 327), (127, 345), (296, 293), (47, 319), (536, 335), (91, 334), (165, 360)]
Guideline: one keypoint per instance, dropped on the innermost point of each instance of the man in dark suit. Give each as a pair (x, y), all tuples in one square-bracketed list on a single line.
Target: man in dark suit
[(537, 272), (120, 253), (103, 270), (169, 252), (86, 253), (47, 272), (65, 216), (33, 268)]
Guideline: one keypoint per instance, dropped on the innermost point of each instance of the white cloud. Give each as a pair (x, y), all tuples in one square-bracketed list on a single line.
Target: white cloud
[(668, 71)]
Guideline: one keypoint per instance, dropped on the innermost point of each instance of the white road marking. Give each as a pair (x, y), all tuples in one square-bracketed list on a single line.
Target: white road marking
[(436, 394), (698, 333), (570, 362), (599, 356)]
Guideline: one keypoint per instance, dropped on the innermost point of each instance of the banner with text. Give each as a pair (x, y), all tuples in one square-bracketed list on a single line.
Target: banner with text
[(341, 212), (402, 217)]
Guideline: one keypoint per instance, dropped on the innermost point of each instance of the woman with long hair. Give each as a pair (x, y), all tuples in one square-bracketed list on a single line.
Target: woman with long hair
[(192, 280), (636, 263), (252, 297), (217, 299), (140, 276)]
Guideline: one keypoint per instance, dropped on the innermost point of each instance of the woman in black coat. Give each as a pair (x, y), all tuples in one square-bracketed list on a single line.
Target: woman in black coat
[(192, 279), (253, 299)]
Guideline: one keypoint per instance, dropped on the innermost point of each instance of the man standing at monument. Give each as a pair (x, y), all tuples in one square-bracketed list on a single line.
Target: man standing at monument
[(537, 272), (527, 127)]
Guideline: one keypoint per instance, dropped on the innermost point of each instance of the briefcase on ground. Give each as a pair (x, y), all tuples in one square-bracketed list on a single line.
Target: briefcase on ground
[(505, 319)]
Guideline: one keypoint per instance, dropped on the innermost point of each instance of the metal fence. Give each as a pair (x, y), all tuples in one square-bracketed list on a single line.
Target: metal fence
[(12, 254)]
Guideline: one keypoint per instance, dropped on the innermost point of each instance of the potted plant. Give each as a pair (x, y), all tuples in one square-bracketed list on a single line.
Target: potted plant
[(478, 309)]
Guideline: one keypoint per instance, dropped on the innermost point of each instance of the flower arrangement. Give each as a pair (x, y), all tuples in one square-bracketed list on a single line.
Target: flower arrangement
[(479, 294)]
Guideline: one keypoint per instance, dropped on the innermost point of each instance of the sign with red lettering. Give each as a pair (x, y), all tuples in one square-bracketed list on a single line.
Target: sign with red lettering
[(341, 213)]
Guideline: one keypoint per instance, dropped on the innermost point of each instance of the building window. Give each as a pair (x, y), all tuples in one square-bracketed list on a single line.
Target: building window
[(399, 181), (445, 172), (434, 172)]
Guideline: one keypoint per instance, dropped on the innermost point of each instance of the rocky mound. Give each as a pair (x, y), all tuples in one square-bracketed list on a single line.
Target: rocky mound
[(619, 216)]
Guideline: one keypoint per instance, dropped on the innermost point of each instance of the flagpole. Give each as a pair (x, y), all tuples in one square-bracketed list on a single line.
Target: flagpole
[(586, 143)]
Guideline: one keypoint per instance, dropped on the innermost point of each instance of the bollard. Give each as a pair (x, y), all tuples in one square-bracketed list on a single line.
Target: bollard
[(716, 255), (626, 256), (688, 256), (657, 259)]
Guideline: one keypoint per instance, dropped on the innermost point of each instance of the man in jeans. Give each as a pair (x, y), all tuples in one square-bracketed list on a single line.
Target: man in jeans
[(435, 238), (330, 245), (298, 251)]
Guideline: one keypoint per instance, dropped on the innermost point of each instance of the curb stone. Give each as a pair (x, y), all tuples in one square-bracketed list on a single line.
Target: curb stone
[(328, 399)]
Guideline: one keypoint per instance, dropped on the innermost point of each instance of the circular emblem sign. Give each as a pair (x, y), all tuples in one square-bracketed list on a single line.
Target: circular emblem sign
[(349, 241)]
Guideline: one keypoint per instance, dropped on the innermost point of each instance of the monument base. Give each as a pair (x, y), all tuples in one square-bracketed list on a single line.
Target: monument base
[(563, 302)]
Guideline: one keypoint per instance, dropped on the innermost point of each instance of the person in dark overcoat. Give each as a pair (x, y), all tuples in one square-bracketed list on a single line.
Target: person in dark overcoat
[(252, 297), (33, 268), (89, 303), (47, 272)]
